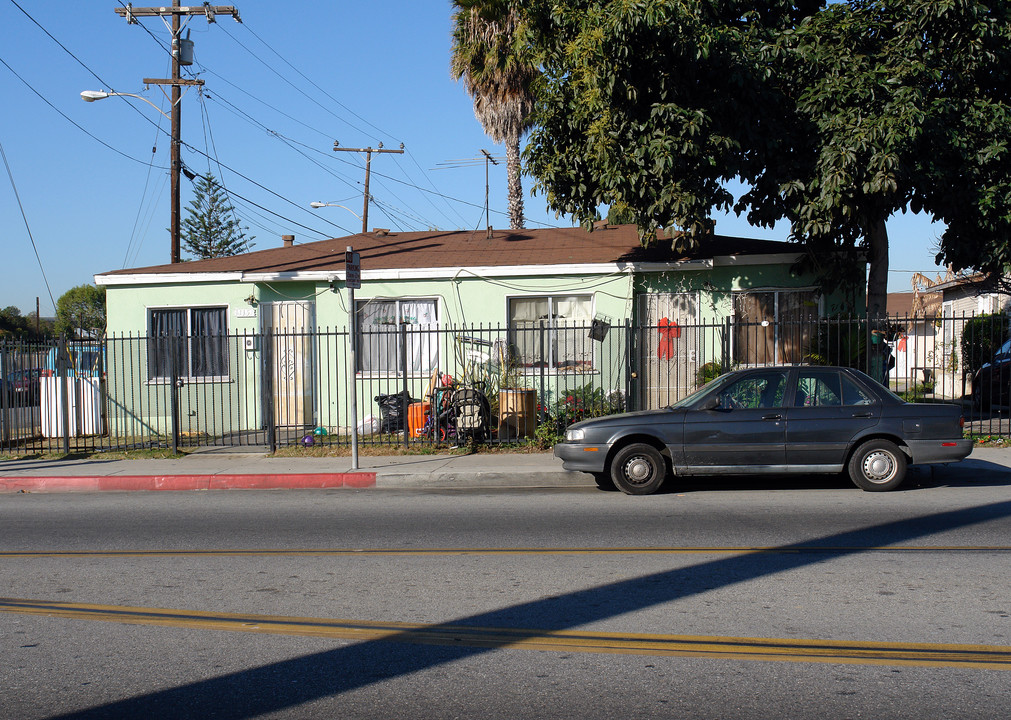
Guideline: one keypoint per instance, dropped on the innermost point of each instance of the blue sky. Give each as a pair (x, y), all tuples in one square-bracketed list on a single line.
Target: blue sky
[(280, 88)]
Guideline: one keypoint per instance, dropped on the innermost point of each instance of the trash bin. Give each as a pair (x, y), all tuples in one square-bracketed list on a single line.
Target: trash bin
[(391, 411)]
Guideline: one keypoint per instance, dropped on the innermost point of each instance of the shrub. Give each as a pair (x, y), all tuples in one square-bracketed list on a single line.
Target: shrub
[(575, 405), (981, 338)]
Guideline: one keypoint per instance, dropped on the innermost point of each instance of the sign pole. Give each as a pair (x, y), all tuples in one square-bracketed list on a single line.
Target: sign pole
[(353, 280)]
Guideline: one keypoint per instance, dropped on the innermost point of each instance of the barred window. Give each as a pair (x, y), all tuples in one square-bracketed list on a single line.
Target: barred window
[(187, 343), (380, 344), (773, 326), (552, 332)]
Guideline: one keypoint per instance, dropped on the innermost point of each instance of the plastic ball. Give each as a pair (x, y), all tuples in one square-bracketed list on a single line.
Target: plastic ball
[(309, 440), (320, 432)]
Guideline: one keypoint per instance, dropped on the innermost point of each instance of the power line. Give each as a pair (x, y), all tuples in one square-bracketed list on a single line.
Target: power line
[(28, 227), (72, 122)]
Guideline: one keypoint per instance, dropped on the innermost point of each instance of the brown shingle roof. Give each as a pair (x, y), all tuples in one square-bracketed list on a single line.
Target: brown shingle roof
[(464, 248)]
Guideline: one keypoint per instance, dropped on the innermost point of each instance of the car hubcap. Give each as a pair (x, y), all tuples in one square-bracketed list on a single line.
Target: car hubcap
[(879, 466), (638, 470)]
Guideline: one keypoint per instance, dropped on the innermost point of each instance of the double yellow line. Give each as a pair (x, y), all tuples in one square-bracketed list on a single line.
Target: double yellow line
[(738, 648)]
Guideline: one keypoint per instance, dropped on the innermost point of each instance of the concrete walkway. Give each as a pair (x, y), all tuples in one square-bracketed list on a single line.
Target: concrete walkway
[(218, 470), (234, 470)]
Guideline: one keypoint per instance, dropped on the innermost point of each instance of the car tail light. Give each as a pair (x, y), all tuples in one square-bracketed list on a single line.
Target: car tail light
[(961, 421)]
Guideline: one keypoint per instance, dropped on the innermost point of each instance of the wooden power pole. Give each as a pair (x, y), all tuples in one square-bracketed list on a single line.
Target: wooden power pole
[(368, 164), (176, 12)]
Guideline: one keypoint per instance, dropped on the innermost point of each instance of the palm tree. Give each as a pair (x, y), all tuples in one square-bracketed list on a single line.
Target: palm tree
[(498, 74)]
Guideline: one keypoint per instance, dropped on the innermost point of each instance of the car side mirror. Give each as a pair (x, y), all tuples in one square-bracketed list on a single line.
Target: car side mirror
[(711, 403)]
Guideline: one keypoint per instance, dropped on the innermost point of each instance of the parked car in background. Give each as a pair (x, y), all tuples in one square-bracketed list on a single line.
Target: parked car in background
[(21, 387), (991, 384), (791, 419)]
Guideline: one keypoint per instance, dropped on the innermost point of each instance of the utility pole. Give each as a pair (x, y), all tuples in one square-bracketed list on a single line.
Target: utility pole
[(487, 209), (368, 163), (176, 12)]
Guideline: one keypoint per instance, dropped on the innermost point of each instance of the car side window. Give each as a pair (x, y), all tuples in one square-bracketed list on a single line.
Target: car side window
[(853, 394), (817, 389), (755, 391)]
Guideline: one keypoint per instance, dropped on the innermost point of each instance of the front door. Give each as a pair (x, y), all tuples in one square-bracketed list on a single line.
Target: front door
[(290, 362), (668, 347)]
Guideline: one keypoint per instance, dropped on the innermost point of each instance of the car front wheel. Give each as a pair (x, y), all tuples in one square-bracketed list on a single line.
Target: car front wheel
[(877, 466), (638, 469)]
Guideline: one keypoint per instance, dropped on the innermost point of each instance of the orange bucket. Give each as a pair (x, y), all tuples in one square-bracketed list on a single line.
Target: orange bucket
[(417, 415)]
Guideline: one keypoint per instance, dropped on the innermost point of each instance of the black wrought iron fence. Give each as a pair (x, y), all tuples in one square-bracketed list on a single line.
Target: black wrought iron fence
[(418, 385)]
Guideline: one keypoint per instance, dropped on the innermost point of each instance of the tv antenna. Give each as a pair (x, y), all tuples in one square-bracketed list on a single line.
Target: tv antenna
[(488, 159)]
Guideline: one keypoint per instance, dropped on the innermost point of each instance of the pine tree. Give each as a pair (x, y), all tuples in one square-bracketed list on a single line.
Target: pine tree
[(211, 229)]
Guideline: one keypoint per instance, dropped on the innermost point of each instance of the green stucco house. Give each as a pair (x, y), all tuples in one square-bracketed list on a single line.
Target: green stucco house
[(263, 339)]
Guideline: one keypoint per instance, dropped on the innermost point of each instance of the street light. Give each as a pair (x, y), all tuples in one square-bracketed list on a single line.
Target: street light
[(174, 160), (317, 205), (93, 95)]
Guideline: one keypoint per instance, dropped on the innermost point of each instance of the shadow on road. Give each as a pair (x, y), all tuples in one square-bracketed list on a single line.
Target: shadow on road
[(286, 684)]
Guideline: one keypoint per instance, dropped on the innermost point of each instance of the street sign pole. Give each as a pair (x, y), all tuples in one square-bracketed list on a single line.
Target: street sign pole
[(353, 281)]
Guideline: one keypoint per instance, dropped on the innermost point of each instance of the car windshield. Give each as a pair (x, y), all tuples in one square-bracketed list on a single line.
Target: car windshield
[(711, 385)]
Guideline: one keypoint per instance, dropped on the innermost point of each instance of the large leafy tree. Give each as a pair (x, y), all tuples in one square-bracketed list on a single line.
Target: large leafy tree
[(497, 70), (965, 162), (898, 106), (837, 117), (80, 312), (654, 105), (210, 228)]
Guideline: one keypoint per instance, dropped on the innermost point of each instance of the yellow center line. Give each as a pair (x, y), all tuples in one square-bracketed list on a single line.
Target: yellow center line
[(993, 657), (410, 552)]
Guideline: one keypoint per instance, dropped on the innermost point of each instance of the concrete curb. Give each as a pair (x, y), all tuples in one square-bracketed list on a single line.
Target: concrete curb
[(35, 484)]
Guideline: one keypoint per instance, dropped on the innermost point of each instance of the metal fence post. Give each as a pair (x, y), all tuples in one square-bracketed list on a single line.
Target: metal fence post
[(267, 385), (174, 344), (5, 420), (63, 372), (405, 392)]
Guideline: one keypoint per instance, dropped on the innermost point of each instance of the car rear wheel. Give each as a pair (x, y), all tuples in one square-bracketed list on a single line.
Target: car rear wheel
[(638, 469), (877, 466)]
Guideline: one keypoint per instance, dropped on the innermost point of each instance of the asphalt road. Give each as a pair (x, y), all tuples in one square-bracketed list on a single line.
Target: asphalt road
[(804, 598)]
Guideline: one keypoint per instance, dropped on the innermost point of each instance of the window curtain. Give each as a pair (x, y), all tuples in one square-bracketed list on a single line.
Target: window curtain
[(572, 347), (525, 317), (419, 316), (379, 335), (209, 342), (166, 344)]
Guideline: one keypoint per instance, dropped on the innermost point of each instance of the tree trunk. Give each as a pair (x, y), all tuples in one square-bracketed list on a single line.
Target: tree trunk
[(515, 186), (877, 278)]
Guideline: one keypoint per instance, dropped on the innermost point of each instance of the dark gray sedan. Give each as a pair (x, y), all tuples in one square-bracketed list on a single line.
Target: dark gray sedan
[(795, 419)]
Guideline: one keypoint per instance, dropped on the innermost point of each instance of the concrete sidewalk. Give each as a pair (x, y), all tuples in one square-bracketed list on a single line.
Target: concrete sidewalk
[(224, 469), (237, 470)]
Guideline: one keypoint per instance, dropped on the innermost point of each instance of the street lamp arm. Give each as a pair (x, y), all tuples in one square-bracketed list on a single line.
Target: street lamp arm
[(93, 95), (318, 205)]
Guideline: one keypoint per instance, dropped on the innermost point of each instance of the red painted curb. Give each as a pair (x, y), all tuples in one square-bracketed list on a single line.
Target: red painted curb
[(186, 482)]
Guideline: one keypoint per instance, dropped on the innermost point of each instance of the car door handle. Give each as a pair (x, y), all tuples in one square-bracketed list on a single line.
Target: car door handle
[(772, 417), (863, 415)]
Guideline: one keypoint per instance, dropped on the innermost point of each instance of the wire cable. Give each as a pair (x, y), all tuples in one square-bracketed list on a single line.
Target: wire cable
[(21, 207)]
